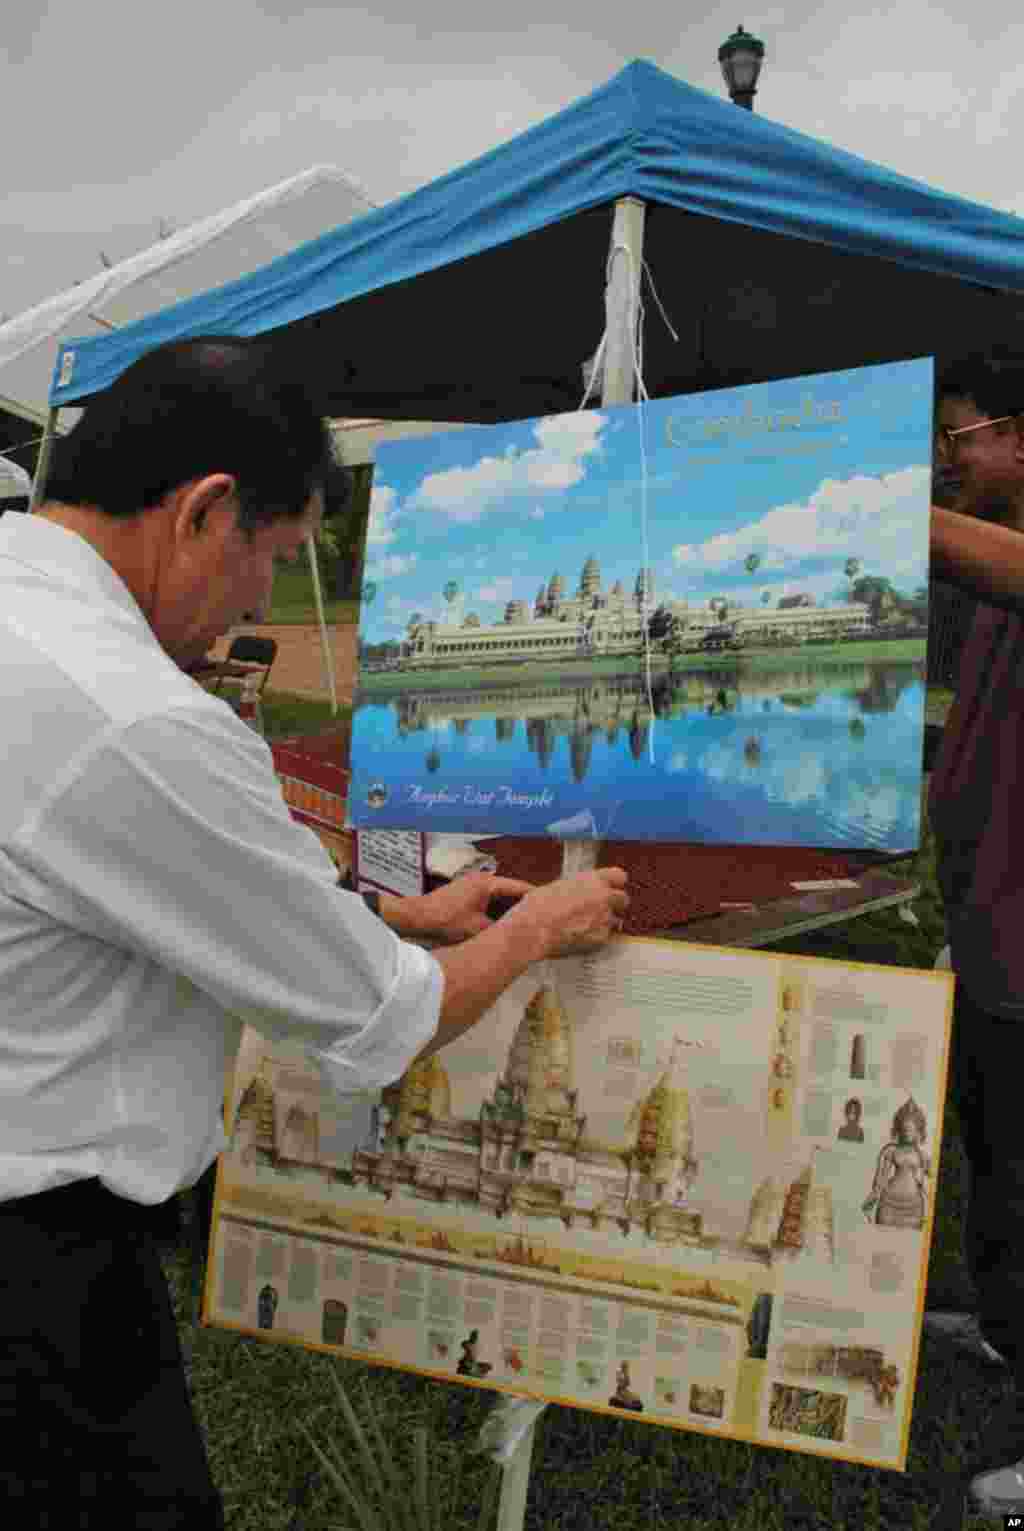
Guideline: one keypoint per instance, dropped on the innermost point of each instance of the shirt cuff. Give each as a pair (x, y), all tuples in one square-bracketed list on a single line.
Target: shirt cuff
[(399, 1029)]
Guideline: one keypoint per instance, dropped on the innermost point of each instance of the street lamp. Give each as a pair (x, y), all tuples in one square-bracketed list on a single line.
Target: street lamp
[(741, 57)]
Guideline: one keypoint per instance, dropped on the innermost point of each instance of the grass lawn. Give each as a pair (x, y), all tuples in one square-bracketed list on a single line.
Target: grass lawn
[(284, 714), (592, 1473), (294, 603), (568, 671)]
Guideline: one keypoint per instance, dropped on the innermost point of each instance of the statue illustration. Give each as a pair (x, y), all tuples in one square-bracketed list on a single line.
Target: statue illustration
[(899, 1197), (624, 1397), (468, 1365), (758, 1325), (858, 1057), (266, 1306), (851, 1131)]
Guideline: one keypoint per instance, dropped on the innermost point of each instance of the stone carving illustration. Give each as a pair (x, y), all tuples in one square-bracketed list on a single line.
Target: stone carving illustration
[(792, 1220), (334, 1321), (859, 1057), (758, 1327), (852, 1363), (709, 1401), (851, 1131), (254, 1137), (266, 1306), (899, 1193), (623, 1396), (469, 1365)]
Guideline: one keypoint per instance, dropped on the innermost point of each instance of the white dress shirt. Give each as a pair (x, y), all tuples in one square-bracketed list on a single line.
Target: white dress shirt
[(155, 894)]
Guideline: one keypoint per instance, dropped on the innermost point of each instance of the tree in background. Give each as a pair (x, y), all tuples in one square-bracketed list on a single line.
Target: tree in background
[(666, 631), (341, 541)]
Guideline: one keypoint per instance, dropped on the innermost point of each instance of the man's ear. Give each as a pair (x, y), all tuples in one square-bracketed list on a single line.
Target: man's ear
[(214, 491)]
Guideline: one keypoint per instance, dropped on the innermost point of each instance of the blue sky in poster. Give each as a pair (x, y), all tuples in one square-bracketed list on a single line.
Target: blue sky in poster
[(804, 473)]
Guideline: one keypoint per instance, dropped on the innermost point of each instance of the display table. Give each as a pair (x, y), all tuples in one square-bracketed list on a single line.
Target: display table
[(779, 919), (727, 895), (713, 895)]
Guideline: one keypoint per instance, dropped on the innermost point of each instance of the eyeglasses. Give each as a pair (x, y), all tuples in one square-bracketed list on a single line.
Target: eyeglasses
[(949, 436)]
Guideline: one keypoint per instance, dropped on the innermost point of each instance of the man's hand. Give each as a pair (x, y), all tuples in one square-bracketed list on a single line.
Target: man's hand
[(453, 913), (570, 917), (575, 914)]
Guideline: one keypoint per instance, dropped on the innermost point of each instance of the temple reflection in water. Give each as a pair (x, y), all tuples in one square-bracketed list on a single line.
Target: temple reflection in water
[(618, 708)]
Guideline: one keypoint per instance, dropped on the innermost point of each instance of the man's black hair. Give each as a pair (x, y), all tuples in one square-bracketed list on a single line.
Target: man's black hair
[(995, 382), (213, 404)]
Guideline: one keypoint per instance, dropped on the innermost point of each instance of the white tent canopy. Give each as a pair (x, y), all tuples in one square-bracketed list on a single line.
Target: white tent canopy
[(193, 260), (15, 483)]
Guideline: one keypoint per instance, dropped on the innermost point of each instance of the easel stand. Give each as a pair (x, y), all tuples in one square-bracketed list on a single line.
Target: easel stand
[(507, 1436)]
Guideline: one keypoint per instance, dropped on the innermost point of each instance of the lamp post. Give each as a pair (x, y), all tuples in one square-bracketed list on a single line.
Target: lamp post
[(741, 57)]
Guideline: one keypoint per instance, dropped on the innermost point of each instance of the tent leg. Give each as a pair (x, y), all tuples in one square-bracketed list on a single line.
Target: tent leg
[(43, 460), (506, 1436), (622, 295), (511, 1414), (618, 386), (318, 596), (515, 1485)]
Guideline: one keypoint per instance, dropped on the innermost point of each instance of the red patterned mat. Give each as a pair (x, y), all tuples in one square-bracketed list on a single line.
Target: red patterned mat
[(671, 884)]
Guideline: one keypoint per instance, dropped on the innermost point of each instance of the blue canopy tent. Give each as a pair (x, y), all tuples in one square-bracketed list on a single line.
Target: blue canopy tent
[(478, 297)]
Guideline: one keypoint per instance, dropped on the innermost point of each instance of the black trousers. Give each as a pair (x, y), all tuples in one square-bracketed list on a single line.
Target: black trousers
[(986, 1078), (97, 1424)]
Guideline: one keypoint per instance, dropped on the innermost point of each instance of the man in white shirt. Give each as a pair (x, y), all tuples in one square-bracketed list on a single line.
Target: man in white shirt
[(155, 895)]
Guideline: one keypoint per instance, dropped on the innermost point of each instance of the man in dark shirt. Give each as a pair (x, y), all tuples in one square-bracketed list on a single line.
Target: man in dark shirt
[(976, 808)]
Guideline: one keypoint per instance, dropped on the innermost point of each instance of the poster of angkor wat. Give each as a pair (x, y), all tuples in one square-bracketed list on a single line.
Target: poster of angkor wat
[(627, 1189), (700, 619)]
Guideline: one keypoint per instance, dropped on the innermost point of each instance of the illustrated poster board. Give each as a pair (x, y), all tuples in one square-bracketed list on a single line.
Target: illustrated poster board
[(691, 1184), (772, 542)]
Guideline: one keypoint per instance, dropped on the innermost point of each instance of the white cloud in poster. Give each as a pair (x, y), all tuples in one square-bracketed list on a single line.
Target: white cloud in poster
[(557, 462), (398, 610), (504, 589), (842, 517), (380, 526), (391, 566)]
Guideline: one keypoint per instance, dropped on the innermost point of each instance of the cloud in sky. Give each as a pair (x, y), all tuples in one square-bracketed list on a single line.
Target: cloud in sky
[(557, 462), (843, 516), (503, 589), (266, 100), (391, 566), (380, 526)]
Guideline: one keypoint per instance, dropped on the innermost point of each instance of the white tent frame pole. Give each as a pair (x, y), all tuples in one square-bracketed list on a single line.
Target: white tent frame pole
[(43, 460), (618, 383), (618, 386), (622, 302), (325, 643)]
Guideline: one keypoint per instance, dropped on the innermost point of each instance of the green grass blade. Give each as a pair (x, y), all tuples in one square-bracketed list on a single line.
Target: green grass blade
[(489, 1499), (369, 1461), (404, 1516), (421, 1481), (367, 1517)]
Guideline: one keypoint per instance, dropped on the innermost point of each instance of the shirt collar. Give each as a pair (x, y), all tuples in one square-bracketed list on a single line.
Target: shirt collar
[(65, 556)]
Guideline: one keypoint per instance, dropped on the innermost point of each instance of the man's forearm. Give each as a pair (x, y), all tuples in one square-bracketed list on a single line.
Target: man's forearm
[(478, 971), (979, 556)]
